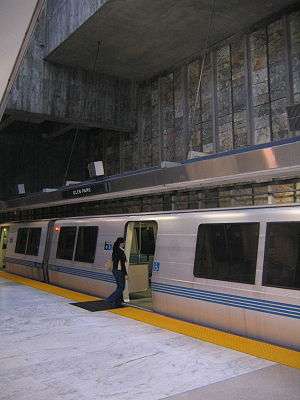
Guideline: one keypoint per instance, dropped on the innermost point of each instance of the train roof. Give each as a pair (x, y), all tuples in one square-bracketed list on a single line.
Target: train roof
[(274, 207)]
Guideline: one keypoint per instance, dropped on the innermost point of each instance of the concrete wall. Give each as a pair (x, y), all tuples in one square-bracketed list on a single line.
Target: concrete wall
[(64, 93), (17, 21), (247, 84), (44, 91), (65, 16)]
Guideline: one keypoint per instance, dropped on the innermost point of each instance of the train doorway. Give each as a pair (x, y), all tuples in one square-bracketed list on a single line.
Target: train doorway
[(3, 245), (140, 249)]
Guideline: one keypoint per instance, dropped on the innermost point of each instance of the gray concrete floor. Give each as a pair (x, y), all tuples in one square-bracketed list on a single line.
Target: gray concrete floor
[(271, 383), (50, 349)]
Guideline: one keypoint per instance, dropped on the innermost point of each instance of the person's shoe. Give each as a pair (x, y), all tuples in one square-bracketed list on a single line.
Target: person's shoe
[(109, 303)]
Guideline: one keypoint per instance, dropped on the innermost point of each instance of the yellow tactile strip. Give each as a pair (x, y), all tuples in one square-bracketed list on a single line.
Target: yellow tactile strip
[(255, 348)]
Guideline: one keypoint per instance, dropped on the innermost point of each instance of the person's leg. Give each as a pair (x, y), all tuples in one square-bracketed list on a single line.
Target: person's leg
[(121, 286), (114, 296)]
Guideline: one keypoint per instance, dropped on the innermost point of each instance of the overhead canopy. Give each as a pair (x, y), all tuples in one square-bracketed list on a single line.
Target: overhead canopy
[(17, 20), (141, 38), (259, 163)]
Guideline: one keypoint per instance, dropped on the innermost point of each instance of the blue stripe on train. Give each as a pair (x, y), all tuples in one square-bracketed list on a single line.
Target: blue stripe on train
[(224, 295), (265, 306), (270, 307), (67, 270), (85, 273), (25, 263)]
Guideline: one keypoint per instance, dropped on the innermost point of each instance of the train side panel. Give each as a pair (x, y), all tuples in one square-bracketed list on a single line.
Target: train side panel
[(252, 309), (90, 278), (267, 313), (28, 259)]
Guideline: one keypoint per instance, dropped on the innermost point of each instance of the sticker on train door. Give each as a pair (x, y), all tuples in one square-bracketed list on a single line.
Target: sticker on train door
[(108, 245), (156, 266)]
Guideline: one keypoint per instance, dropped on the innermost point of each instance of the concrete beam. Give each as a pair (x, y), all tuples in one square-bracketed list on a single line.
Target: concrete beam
[(29, 118), (150, 33), (69, 20), (59, 132), (6, 123), (39, 118)]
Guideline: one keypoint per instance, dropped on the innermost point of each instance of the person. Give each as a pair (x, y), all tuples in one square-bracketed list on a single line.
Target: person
[(119, 271)]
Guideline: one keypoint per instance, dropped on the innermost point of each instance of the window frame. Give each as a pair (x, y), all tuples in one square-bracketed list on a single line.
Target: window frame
[(39, 240), (76, 243), (197, 264), (77, 228), (265, 253), (29, 230), (26, 241)]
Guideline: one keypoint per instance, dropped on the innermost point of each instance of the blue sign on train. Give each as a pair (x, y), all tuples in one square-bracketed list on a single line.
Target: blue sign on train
[(156, 265), (108, 246)]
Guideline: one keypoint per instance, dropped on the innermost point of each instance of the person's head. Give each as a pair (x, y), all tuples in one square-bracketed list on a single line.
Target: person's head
[(120, 242)]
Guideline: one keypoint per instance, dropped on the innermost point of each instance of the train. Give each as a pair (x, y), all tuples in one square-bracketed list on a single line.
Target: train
[(233, 269)]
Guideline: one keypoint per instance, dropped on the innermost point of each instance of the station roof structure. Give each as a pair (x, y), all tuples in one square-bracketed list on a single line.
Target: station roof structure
[(141, 38)]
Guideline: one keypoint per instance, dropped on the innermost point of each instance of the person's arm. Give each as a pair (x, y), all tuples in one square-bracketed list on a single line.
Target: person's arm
[(123, 262)]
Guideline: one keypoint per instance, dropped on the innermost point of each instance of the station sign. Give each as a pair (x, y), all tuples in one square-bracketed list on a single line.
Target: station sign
[(85, 191)]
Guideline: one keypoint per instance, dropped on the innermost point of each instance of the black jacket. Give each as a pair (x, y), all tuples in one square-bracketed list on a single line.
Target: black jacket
[(119, 255)]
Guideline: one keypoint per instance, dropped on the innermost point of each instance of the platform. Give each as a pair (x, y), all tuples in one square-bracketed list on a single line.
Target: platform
[(50, 349)]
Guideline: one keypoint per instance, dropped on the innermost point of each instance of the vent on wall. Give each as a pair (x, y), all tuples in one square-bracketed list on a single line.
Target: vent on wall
[(293, 114)]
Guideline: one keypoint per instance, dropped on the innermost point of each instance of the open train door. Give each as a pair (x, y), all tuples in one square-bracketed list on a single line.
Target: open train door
[(3, 244), (140, 249)]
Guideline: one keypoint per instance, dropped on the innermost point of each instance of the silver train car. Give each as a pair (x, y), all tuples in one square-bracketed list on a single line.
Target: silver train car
[(235, 269)]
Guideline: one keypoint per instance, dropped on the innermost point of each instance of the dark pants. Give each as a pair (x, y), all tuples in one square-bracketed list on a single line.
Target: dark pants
[(116, 298)]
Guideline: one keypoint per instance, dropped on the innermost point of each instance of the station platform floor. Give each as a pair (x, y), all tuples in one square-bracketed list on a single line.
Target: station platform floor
[(50, 349)]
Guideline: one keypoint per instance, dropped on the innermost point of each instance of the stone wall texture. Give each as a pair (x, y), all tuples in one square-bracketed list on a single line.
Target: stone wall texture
[(246, 85)]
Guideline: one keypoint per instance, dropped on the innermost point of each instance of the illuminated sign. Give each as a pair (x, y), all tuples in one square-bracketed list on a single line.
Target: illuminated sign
[(79, 192), (85, 191)]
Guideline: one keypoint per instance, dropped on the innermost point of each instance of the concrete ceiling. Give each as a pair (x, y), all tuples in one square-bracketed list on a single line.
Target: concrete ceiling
[(141, 38)]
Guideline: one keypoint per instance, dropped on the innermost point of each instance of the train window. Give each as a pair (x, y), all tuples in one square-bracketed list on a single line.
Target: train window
[(282, 255), (86, 244), (66, 241), (33, 242), (147, 240), (227, 252), (21, 240)]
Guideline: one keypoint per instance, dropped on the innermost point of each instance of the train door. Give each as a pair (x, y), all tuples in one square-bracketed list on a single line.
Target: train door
[(140, 249), (49, 238), (3, 245)]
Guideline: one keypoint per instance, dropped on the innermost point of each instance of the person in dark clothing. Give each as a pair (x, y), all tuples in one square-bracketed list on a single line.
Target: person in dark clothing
[(119, 271)]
